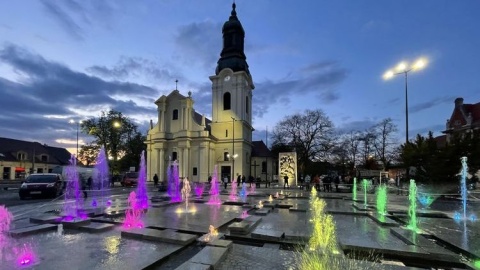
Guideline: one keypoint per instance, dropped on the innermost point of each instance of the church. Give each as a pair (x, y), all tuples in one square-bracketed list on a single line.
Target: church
[(199, 144)]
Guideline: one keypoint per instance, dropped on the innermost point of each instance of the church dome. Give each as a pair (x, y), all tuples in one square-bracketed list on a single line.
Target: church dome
[(232, 55)]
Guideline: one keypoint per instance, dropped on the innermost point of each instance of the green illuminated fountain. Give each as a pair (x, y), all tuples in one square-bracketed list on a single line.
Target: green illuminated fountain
[(366, 183), (412, 209), (382, 199), (354, 190)]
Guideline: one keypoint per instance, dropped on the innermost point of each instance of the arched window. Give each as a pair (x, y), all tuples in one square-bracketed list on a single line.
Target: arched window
[(226, 101), (246, 105), (175, 115)]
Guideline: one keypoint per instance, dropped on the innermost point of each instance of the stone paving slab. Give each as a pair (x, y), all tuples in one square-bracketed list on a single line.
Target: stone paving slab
[(74, 224), (160, 204), (239, 203), (166, 236), (301, 237), (284, 205), (298, 209), (193, 266), (114, 214), (32, 230), (206, 238), (107, 220), (95, 227), (262, 212), (44, 219), (242, 227), (269, 205), (361, 207), (267, 234), (220, 243), (210, 256), (382, 220)]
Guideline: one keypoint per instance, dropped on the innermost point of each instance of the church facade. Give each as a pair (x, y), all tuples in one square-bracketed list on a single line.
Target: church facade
[(199, 144)]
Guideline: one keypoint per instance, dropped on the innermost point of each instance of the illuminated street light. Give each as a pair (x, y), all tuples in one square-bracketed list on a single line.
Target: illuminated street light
[(117, 124), (78, 125), (404, 68)]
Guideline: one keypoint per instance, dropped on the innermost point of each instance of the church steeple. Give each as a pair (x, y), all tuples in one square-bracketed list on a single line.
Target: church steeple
[(232, 55)]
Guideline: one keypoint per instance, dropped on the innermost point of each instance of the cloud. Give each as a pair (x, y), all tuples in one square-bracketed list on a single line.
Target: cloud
[(74, 16), (436, 129), (431, 103), (132, 68), (359, 125), (50, 88), (200, 41), (319, 78)]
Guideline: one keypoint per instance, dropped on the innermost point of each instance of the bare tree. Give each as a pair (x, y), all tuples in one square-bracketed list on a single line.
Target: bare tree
[(310, 133), (384, 140), (367, 138)]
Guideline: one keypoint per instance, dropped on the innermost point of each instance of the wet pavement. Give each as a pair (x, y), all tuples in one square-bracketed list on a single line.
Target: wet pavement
[(271, 242)]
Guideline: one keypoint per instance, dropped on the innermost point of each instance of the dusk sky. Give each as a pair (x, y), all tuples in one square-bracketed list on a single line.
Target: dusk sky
[(71, 59)]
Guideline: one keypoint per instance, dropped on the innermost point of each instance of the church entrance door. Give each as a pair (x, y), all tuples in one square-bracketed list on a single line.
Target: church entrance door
[(226, 171)]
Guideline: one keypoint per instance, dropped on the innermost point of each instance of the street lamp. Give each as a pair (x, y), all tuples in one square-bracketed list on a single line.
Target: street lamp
[(78, 125), (233, 156), (405, 68)]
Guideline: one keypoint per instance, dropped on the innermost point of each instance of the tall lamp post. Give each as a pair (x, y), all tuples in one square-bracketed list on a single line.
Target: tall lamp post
[(78, 126), (404, 68), (233, 155)]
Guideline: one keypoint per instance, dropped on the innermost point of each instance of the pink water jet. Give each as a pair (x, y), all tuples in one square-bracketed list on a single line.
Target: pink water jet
[(25, 255), (142, 197), (244, 214), (199, 189), (73, 196), (101, 179), (174, 183), (214, 189), (133, 215), (233, 191)]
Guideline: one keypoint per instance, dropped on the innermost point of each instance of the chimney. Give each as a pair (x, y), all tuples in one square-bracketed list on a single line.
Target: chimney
[(458, 102)]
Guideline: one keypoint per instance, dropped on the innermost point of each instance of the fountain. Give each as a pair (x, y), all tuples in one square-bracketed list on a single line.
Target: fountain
[(133, 214), (186, 189), (270, 198), (24, 255), (174, 183), (276, 194), (354, 189), (214, 196), (424, 199), (260, 205), (323, 231), (100, 178), (366, 185), (382, 199), (233, 191), (412, 209), (142, 196), (244, 192), (244, 214), (199, 190), (252, 188), (72, 208)]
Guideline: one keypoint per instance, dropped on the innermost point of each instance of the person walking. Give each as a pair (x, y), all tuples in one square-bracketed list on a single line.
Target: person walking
[(225, 181), (155, 180), (307, 182), (239, 179), (285, 183)]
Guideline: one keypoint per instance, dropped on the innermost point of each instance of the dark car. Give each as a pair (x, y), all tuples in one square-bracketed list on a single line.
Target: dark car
[(46, 184), (130, 179)]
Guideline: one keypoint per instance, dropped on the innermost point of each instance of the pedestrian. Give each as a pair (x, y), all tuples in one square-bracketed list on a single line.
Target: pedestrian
[(210, 180), (250, 180), (337, 181), (285, 183), (239, 179), (307, 182), (155, 180), (225, 181), (243, 179), (83, 183), (89, 183)]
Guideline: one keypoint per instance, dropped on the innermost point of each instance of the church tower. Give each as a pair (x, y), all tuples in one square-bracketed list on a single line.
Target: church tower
[(232, 87)]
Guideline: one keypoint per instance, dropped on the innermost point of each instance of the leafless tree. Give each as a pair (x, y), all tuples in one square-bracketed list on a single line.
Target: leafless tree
[(384, 141)]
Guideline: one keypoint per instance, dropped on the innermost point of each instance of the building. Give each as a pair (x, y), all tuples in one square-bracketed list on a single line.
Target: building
[(464, 118), (200, 144), (263, 163), (18, 158)]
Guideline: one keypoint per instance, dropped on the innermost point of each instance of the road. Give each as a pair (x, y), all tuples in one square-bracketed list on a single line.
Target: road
[(10, 197)]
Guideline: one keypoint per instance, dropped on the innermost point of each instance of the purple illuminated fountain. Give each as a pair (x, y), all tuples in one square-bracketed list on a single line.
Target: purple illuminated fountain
[(133, 215), (24, 255), (214, 190), (100, 180), (174, 183), (199, 189), (252, 188), (142, 197), (233, 191), (464, 192), (244, 214), (72, 208)]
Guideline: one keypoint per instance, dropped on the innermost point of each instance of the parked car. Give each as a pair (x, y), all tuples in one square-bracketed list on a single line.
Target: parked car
[(47, 184), (130, 179)]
